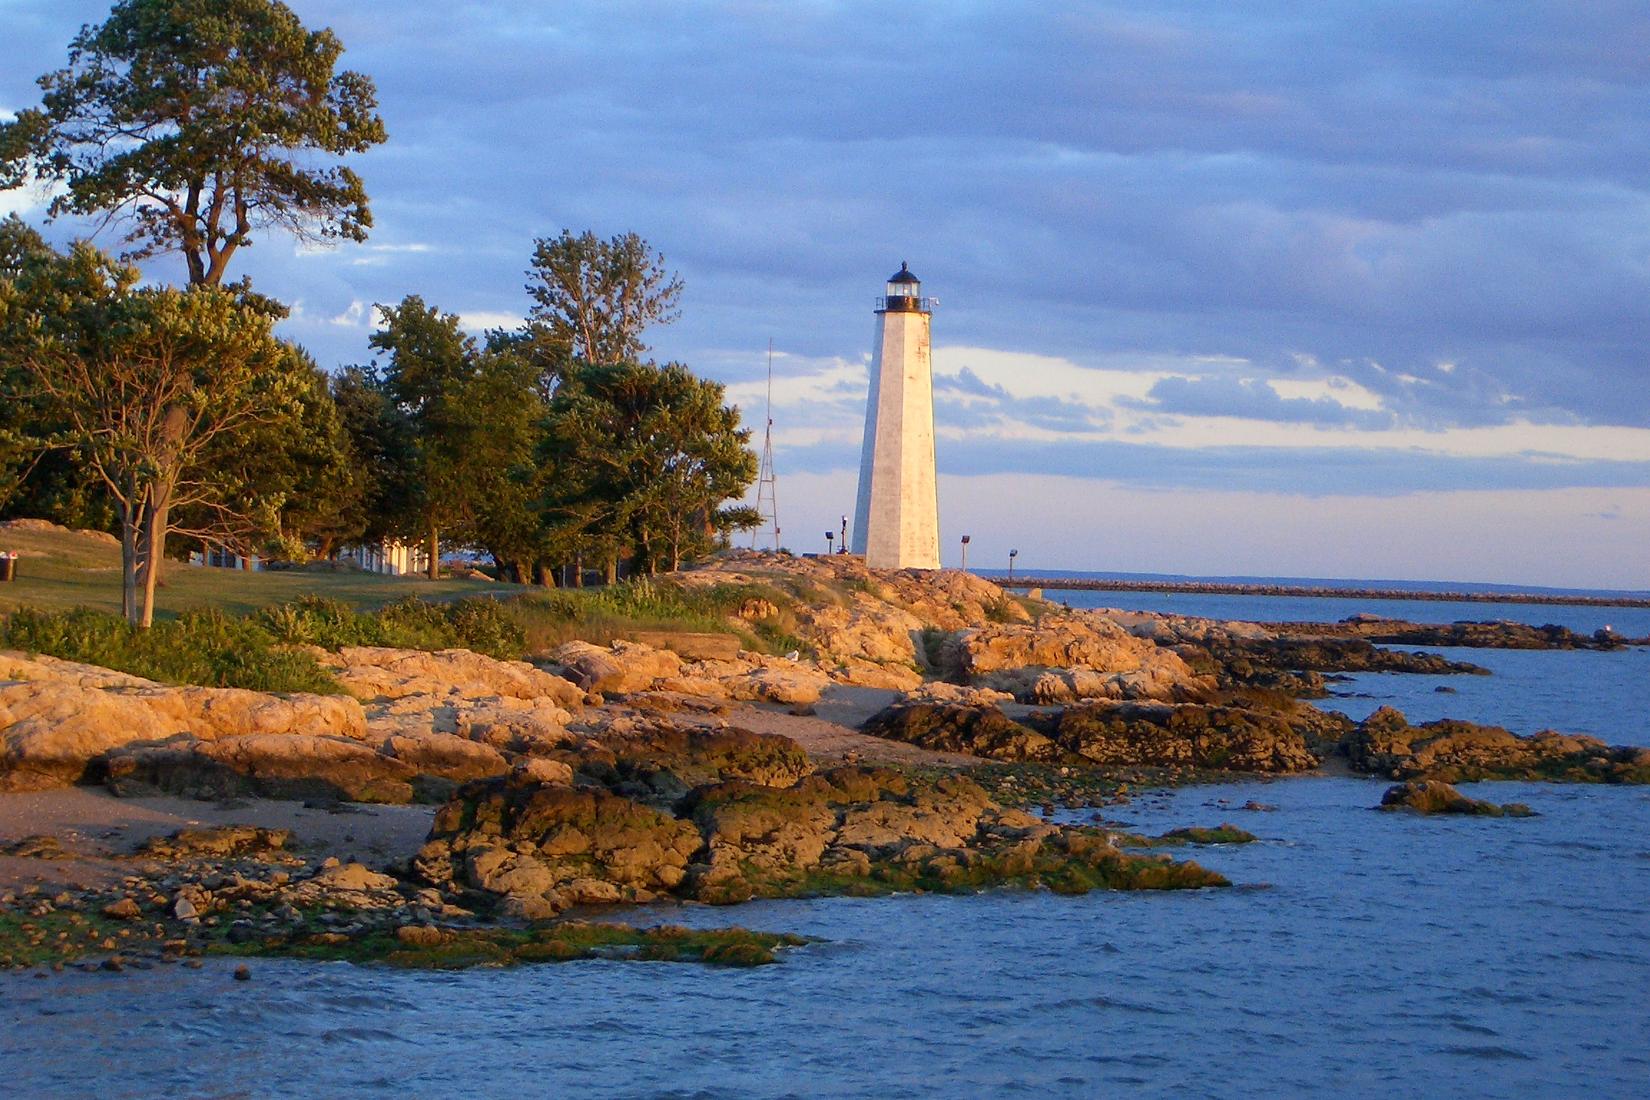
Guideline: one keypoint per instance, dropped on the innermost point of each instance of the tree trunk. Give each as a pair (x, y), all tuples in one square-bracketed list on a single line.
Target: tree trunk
[(128, 564), (154, 549), (434, 549), (611, 570), (578, 570), (543, 575)]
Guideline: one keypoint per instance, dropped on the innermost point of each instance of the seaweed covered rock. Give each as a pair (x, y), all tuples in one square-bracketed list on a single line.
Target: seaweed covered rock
[(1429, 796), (540, 849), (978, 730), (1287, 662), (1186, 735), (544, 848), (1386, 744)]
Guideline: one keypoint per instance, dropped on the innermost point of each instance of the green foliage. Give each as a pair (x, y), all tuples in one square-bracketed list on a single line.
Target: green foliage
[(199, 647), (644, 456), (198, 123), (592, 298), (483, 625)]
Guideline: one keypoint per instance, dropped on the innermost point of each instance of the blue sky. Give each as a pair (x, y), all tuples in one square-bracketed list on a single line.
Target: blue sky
[(1342, 289)]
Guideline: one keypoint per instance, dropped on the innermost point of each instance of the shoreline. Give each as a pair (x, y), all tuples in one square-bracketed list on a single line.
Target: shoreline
[(1220, 588)]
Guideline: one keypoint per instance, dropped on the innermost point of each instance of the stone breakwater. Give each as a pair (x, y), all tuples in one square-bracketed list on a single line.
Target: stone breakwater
[(1218, 588)]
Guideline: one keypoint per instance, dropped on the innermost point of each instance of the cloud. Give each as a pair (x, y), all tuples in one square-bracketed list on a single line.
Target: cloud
[(1255, 399)]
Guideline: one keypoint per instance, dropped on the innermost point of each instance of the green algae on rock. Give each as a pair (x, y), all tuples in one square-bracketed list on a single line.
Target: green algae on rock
[(538, 850), (1429, 796), (428, 947), (1453, 752)]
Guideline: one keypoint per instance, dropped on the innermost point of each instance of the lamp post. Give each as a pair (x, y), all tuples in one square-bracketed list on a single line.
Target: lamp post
[(842, 547), (1012, 554), (965, 553), (829, 535)]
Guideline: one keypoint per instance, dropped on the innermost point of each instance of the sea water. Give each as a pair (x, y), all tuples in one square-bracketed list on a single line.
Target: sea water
[(1360, 953)]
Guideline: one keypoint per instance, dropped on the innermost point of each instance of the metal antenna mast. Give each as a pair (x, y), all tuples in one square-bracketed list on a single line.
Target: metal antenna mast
[(767, 484)]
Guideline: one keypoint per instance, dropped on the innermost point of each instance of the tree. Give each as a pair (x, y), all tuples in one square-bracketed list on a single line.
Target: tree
[(447, 389), (592, 298), (148, 382), (296, 472), (197, 123), (645, 458)]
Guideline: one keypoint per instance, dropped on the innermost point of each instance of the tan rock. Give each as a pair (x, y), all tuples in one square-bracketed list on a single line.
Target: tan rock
[(622, 668), (369, 672)]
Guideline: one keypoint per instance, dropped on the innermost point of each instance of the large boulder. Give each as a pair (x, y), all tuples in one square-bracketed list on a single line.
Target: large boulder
[(52, 730), (377, 673), (269, 765), (540, 848), (659, 760), (977, 730), (1429, 796), (619, 669), (1066, 658)]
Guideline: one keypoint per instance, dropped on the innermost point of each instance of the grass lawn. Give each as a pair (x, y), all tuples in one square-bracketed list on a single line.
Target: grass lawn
[(61, 569)]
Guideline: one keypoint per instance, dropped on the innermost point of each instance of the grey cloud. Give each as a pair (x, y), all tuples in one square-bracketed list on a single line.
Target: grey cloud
[(1384, 189), (1255, 400)]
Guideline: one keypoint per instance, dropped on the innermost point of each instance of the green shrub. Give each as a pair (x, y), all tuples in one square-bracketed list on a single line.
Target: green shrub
[(199, 647), (484, 625)]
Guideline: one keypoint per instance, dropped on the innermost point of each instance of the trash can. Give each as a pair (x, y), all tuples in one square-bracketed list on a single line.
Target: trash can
[(8, 567)]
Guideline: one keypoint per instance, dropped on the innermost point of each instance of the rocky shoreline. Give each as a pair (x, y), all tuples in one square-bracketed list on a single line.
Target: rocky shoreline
[(902, 751)]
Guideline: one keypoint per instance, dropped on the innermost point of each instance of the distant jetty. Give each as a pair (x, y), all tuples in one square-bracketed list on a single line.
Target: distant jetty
[(1221, 588)]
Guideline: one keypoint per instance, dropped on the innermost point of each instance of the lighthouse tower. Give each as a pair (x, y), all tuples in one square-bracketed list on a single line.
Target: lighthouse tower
[(896, 518)]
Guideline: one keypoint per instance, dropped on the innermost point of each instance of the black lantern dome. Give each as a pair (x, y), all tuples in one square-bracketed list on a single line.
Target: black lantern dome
[(904, 292)]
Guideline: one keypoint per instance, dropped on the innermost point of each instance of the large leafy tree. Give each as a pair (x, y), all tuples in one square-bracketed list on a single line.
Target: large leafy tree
[(592, 298), (461, 418), (646, 458), (148, 384), (197, 123)]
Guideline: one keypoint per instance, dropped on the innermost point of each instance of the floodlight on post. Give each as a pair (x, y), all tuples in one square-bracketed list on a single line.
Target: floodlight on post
[(829, 535), (965, 540), (1012, 554)]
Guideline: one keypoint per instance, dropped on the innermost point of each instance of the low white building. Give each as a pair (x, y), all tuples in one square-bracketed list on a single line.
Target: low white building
[(391, 557)]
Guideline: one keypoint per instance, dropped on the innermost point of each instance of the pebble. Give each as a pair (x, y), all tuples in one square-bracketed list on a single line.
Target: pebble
[(243, 973)]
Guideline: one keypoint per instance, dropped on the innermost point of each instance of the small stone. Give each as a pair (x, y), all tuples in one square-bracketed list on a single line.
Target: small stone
[(243, 973), (184, 909), (124, 909)]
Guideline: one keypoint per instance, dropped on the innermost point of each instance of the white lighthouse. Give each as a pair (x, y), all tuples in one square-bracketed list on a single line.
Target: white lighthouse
[(897, 516)]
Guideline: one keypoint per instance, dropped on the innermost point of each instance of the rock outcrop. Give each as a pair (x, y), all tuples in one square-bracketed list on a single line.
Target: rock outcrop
[(1429, 796), (977, 730), (1062, 659), (373, 673), (1386, 744), (1114, 735), (1184, 736), (60, 718), (540, 849)]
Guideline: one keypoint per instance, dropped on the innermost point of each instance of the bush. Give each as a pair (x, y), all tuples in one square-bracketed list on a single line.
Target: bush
[(199, 647), (483, 625)]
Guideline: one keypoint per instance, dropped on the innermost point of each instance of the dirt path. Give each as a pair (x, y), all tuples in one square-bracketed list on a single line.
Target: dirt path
[(831, 734), (97, 827)]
